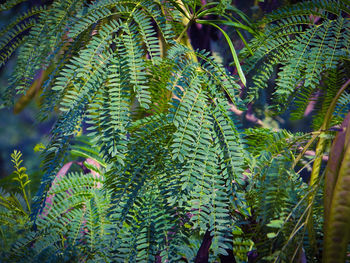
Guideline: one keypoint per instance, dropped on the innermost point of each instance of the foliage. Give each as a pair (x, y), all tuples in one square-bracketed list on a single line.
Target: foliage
[(168, 173), (14, 207), (309, 43), (337, 172)]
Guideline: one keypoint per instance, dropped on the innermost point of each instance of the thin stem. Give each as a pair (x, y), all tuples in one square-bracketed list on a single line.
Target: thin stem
[(184, 31), (318, 159), (132, 12), (322, 142), (25, 196)]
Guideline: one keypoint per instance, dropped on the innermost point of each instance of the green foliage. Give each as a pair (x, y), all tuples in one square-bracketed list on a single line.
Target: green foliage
[(14, 206), (306, 41), (335, 79), (165, 161), (278, 201), (104, 82)]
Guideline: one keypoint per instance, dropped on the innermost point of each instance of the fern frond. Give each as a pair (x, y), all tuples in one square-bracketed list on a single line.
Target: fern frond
[(219, 75), (13, 32), (5, 55), (305, 48), (41, 42), (77, 208), (136, 65), (8, 28), (73, 105), (169, 169), (319, 7), (278, 206), (83, 22), (185, 118), (110, 112), (342, 108), (10, 37), (148, 35), (104, 9), (335, 78), (9, 4)]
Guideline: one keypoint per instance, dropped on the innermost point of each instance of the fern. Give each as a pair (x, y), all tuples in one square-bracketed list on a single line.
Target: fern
[(305, 49), (14, 206), (166, 164), (9, 4), (334, 80)]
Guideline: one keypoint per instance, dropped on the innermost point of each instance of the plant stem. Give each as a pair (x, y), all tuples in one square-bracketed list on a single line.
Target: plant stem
[(25, 196), (322, 142), (324, 126), (321, 145), (184, 31)]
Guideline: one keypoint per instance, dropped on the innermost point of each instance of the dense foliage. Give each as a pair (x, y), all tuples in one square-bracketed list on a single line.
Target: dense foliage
[(147, 161)]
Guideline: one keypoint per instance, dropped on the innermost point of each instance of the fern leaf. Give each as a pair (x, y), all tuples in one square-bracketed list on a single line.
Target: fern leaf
[(9, 4), (136, 65), (185, 118), (111, 114)]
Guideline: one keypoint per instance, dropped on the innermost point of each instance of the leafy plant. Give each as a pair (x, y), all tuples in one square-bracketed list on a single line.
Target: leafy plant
[(309, 43), (14, 207), (169, 174)]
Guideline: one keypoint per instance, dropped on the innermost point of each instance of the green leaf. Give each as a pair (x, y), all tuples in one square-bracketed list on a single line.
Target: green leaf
[(276, 223), (271, 235), (233, 51)]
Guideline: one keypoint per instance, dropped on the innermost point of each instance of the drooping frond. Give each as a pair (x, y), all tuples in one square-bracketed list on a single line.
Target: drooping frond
[(76, 208), (133, 58), (278, 200), (12, 34), (9, 4), (127, 9), (304, 47), (172, 169), (110, 112), (335, 79)]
